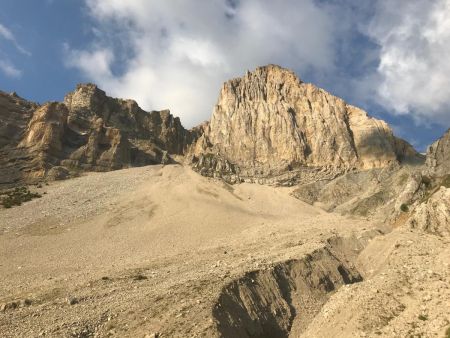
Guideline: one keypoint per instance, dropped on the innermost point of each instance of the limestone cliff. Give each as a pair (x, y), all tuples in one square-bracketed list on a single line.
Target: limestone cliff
[(88, 132), (270, 123)]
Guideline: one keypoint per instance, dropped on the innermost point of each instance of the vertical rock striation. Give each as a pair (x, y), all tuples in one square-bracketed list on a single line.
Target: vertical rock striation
[(269, 123)]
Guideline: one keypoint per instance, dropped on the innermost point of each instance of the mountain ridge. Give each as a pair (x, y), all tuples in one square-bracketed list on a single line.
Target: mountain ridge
[(265, 124)]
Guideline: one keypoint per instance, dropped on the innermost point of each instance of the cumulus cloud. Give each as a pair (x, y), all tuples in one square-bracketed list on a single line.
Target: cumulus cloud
[(95, 64), (414, 71), (175, 54)]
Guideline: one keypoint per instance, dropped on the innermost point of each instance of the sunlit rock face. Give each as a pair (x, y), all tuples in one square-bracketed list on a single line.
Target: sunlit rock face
[(89, 131), (269, 122)]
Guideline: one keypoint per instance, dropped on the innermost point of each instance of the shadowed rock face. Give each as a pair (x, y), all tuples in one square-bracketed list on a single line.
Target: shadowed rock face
[(89, 131), (269, 122), (438, 156)]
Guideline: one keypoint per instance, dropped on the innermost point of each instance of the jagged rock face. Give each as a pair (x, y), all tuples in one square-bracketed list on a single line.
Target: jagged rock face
[(15, 113), (46, 129), (89, 131), (269, 122), (88, 103), (438, 157), (433, 216), (105, 149)]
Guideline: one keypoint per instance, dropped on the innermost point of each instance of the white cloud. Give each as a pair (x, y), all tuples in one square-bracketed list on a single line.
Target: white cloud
[(95, 64), (176, 54), (414, 67), (8, 35), (9, 69)]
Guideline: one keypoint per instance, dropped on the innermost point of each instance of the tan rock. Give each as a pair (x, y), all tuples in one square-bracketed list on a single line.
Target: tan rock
[(46, 128), (433, 216), (270, 122), (89, 131)]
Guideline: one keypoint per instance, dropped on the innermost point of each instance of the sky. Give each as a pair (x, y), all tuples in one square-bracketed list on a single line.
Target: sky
[(389, 57)]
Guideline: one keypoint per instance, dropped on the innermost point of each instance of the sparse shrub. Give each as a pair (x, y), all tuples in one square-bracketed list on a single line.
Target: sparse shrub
[(139, 277), (404, 208), (447, 333), (17, 196)]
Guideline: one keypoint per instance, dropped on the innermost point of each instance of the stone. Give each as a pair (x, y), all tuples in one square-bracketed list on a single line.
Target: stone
[(58, 173)]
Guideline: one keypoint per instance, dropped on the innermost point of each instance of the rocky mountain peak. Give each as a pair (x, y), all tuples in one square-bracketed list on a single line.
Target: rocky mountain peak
[(269, 122), (84, 97)]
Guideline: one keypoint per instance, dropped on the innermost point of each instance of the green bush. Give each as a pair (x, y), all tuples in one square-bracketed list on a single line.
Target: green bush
[(404, 208), (17, 196)]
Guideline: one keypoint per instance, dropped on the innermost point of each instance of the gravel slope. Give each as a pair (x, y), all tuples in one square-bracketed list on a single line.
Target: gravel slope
[(148, 250)]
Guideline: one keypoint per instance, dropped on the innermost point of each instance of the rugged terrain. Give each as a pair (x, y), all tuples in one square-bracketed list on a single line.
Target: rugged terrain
[(89, 131), (345, 234), (163, 250)]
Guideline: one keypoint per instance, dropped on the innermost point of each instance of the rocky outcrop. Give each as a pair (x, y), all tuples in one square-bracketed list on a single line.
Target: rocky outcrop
[(88, 132), (46, 129), (146, 130), (376, 193), (438, 157), (433, 216), (15, 114), (269, 123)]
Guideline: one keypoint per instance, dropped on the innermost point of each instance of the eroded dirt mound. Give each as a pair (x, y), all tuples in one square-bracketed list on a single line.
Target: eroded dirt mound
[(267, 303)]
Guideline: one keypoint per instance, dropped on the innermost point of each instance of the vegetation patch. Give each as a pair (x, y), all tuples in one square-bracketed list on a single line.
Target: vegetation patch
[(404, 208), (17, 196), (423, 317)]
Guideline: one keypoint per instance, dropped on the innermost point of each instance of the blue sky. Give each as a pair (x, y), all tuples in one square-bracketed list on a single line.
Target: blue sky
[(175, 54)]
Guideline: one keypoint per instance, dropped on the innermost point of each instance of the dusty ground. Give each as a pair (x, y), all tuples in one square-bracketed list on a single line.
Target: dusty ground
[(148, 251)]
